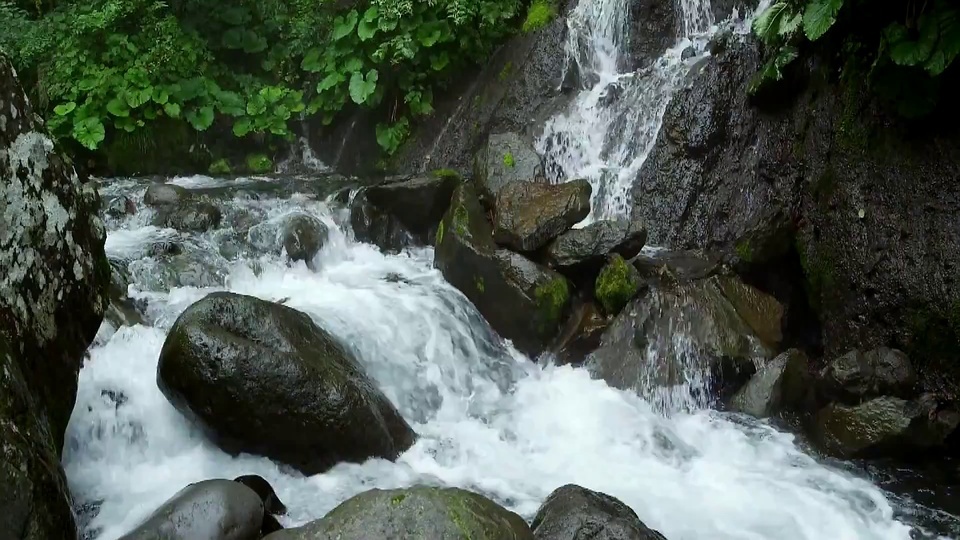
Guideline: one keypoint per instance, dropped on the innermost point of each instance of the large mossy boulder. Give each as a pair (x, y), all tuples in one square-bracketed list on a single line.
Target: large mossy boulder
[(572, 512), (418, 512), (531, 214), (263, 378), (523, 301), (683, 334), (207, 510), (54, 279)]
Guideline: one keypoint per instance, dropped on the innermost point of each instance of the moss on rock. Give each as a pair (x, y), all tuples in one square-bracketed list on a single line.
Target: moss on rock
[(617, 283), (539, 14), (552, 298), (220, 167), (259, 163)]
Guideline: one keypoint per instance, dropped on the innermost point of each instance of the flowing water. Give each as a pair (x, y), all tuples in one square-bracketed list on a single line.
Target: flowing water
[(490, 420)]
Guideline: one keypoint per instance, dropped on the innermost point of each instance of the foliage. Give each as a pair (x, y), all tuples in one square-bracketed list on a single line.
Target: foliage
[(906, 49), (539, 14), (616, 285), (103, 67)]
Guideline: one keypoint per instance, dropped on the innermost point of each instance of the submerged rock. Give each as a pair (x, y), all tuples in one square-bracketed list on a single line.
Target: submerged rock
[(207, 510), (505, 159), (303, 237), (54, 279), (573, 513), (597, 240), (196, 216), (782, 384), (417, 512), (531, 214), (160, 195), (522, 301), (858, 375), (263, 378)]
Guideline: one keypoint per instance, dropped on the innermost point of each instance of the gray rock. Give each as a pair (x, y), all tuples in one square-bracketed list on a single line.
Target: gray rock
[(417, 512), (374, 226), (263, 378), (121, 206), (572, 513), (189, 217), (54, 279), (859, 375), (522, 301), (303, 237), (159, 195), (782, 384), (531, 214), (418, 203), (506, 158), (594, 242), (675, 266), (207, 510)]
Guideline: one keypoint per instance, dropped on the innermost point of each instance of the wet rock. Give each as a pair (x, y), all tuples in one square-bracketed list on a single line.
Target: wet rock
[(263, 378), (675, 266), (675, 335), (883, 426), (594, 242), (418, 203), (207, 510), (617, 284), (417, 512), (271, 502), (506, 158), (303, 237), (581, 333), (656, 26), (572, 512), (190, 217), (524, 302), (531, 214), (374, 226), (762, 312), (160, 195), (858, 375), (782, 384), (121, 206), (54, 279)]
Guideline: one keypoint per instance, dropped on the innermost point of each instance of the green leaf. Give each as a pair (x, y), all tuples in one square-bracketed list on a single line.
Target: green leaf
[(390, 137), (160, 95), (772, 70), (367, 28), (766, 26), (89, 132), (64, 108), (256, 105), (353, 64), (242, 126), (948, 46), (387, 24), (201, 119), (906, 51), (118, 107), (172, 110), (428, 35), (88, 84), (271, 94), (329, 82), (819, 17), (790, 25), (361, 88), (311, 62), (343, 25), (440, 61), (230, 103)]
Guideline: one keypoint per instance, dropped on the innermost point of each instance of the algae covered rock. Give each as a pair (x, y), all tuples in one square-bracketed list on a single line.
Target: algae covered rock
[(617, 284), (531, 214), (263, 378), (522, 301), (418, 512)]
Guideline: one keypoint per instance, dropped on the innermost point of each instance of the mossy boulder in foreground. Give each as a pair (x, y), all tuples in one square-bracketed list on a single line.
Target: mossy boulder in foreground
[(419, 512)]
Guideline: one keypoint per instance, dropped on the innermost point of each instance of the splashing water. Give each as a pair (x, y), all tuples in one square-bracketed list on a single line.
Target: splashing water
[(489, 419), (611, 126)]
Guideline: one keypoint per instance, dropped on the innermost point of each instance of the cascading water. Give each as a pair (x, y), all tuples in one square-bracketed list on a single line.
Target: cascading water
[(611, 125), (489, 419)]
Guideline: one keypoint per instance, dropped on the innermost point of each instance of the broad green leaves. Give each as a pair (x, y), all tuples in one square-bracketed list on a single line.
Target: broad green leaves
[(819, 17), (362, 87)]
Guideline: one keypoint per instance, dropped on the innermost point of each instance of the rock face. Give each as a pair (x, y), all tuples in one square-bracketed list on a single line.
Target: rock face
[(522, 301), (417, 512), (263, 378), (418, 203), (572, 513), (505, 159), (531, 214), (54, 278), (782, 384), (591, 244), (859, 375), (207, 510), (870, 206)]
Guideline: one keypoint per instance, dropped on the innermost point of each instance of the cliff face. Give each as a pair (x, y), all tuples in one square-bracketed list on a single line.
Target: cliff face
[(53, 279), (870, 208)]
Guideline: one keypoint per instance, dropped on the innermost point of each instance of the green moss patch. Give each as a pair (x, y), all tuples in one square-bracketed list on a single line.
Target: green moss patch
[(444, 174), (461, 220), (616, 285), (259, 164), (508, 160), (540, 14), (220, 167), (552, 298)]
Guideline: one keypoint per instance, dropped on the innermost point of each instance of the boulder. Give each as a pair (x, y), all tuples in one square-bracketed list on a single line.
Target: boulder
[(680, 266), (303, 237), (762, 312), (262, 378), (884, 426), (54, 279), (617, 284), (162, 195), (207, 510), (572, 512), (524, 302), (591, 244), (581, 333), (418, 203), (782, 384), (505, 159), (860, 375), (416, 512), (374, 226), (678, 335), (194, 216), (531, 214), (120, 207)]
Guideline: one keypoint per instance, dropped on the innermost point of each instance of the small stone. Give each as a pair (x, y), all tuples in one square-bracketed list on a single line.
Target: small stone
[(165, 195)]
